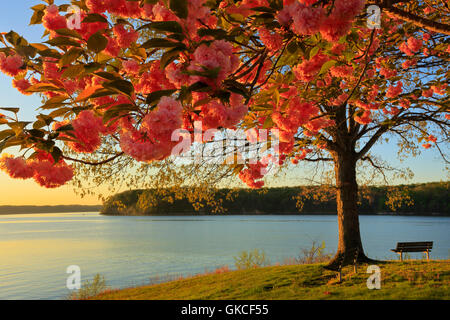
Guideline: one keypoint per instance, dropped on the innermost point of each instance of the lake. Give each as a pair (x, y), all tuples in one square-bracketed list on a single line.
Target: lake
[(36, 249)]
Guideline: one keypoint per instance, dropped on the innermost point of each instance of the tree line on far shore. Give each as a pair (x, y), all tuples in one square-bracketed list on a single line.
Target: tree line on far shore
[(414, 199)]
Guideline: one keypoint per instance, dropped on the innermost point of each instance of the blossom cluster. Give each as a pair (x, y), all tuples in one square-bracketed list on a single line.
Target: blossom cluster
[(41, 168)]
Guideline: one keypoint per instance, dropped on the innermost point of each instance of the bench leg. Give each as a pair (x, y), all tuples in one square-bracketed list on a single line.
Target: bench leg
[(340, 276), (355, 268), (401, 256), (428, 255)]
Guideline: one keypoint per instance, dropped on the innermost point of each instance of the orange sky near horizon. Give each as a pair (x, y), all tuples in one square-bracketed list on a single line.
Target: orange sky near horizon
[(28, 192)]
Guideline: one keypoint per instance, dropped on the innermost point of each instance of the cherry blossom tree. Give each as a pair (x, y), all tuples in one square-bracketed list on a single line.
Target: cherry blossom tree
[(321, 75)]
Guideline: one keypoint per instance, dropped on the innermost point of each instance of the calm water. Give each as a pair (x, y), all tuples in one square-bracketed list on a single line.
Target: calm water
[(35, 250)]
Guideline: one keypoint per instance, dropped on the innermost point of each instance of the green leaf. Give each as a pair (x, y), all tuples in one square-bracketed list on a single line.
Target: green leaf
[(169, 26), (326, 66), (91, 67), (292, 47), (107, 75), (179, 7), (207, 73), (313, 52), (69, 33), (36, 133), (155, 96), (169, 56), (216, 33), (6, 142), (54, 102), (14, 110), (94, 17), (263, 9), (37, 16), (6, 133), (67, 127), (73, 71), (268, 123), (42, 87), (161, 43), (18, 127), (38, 124), (15, 39), (63, 41), (56, 154), (47, 119), (97, 42), (117, 111), (70, 56), (120, 86), (50, 53), (237, 87), (198, 86)]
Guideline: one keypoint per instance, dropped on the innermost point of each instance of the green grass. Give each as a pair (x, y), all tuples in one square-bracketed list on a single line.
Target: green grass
[(399, 280)]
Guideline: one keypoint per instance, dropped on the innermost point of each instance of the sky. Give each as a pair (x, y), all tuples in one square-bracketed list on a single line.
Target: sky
[(15, 16)]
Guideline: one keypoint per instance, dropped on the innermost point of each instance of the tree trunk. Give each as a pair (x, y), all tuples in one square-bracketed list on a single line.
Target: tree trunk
[(350, 245)]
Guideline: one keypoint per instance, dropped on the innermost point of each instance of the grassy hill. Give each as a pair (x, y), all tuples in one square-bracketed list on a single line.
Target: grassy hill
[(399, 280)]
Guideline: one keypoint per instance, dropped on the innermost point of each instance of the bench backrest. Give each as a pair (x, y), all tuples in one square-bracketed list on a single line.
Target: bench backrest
[(415, 245)]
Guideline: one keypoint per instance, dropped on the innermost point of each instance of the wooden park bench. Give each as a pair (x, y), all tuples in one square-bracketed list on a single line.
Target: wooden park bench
[(339, 264), (425, 246)]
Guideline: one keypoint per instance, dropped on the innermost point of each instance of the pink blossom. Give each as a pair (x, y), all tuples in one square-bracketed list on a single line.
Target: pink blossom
[(42, 169), (87, 129), (16, 168), (96, 6), (394, 91), (414, 44), (365, 118), (427, 93), (273, 41), (218, 54), (388, 73), (306, 20), (405, 103), (52, 20), (175, 76), (308, 69), (113, 48), (409, 63), (131, 67), (125, 37), (252, 173), (51, 175), (405, 49), (153, 140), (341, 71), (22, 85), (10, 65), (432, 138), (153, 80)]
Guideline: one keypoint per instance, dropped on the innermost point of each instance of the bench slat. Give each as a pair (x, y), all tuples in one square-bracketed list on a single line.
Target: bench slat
[(414, 245), (413, 250), (408, 244), (422, 246)]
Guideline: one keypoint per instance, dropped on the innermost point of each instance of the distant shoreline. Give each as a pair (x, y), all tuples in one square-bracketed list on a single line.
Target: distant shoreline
[(29, 209), (181, 214), (11, 210)]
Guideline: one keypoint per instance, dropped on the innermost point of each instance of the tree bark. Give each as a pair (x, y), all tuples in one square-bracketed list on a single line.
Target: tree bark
[(349, 245)]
